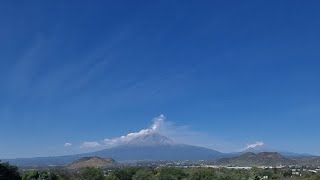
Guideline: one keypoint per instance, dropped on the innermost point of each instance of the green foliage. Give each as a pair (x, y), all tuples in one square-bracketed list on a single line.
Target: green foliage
[(287, 173), (144, 174), (126, 173), (92, 174), (111, 176), (171, 174), (8, 172), (255, 177), (201, 174), (314, 177), (44, 175), (31, 175)]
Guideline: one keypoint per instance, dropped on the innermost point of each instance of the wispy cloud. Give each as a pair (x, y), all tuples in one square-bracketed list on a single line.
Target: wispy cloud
[(34, 77), (67, 144), (91, 144), (23, 71)]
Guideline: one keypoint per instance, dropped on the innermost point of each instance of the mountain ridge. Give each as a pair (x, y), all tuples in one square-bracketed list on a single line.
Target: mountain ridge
[(153, 146), (259, 159), (149, 146), (151, 138)]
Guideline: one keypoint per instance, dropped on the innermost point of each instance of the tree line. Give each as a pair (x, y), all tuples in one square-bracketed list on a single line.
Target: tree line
[(9, 172)]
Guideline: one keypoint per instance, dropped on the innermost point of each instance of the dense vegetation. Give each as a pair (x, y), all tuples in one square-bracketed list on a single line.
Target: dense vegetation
[(8, 172), (168, 173)]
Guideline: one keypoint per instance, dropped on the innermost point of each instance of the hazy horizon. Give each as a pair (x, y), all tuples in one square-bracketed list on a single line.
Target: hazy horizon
[(78, 77)]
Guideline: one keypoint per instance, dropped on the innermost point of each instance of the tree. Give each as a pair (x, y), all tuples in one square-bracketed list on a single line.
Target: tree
[(287, 173), (93, 174), (112, 177), (9, 172), (143, 174), (31, 175), (126, 173), (168, 173), (255, 177), (43, 175), (201, 174)]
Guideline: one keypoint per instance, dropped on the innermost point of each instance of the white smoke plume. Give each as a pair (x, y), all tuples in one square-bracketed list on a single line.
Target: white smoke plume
[(157, 127), (254, 145)]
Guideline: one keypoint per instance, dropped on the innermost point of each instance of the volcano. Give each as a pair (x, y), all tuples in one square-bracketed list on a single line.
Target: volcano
[(146, 147)]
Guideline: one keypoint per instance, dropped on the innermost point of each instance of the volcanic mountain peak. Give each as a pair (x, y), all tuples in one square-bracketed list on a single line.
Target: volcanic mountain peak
[(151, 138)]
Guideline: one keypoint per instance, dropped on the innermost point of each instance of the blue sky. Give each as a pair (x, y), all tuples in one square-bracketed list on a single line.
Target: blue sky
[(228, 73)]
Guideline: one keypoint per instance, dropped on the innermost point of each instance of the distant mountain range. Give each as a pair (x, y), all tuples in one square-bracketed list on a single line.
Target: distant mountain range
[(153, 146), (259, 148)]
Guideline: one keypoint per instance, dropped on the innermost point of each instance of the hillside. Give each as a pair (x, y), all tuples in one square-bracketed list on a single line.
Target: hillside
[(92, 162), (310, 161), (260, 159)]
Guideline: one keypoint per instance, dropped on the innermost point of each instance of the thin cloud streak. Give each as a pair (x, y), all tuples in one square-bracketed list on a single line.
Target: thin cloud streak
[(92, 144), (67, 144)]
